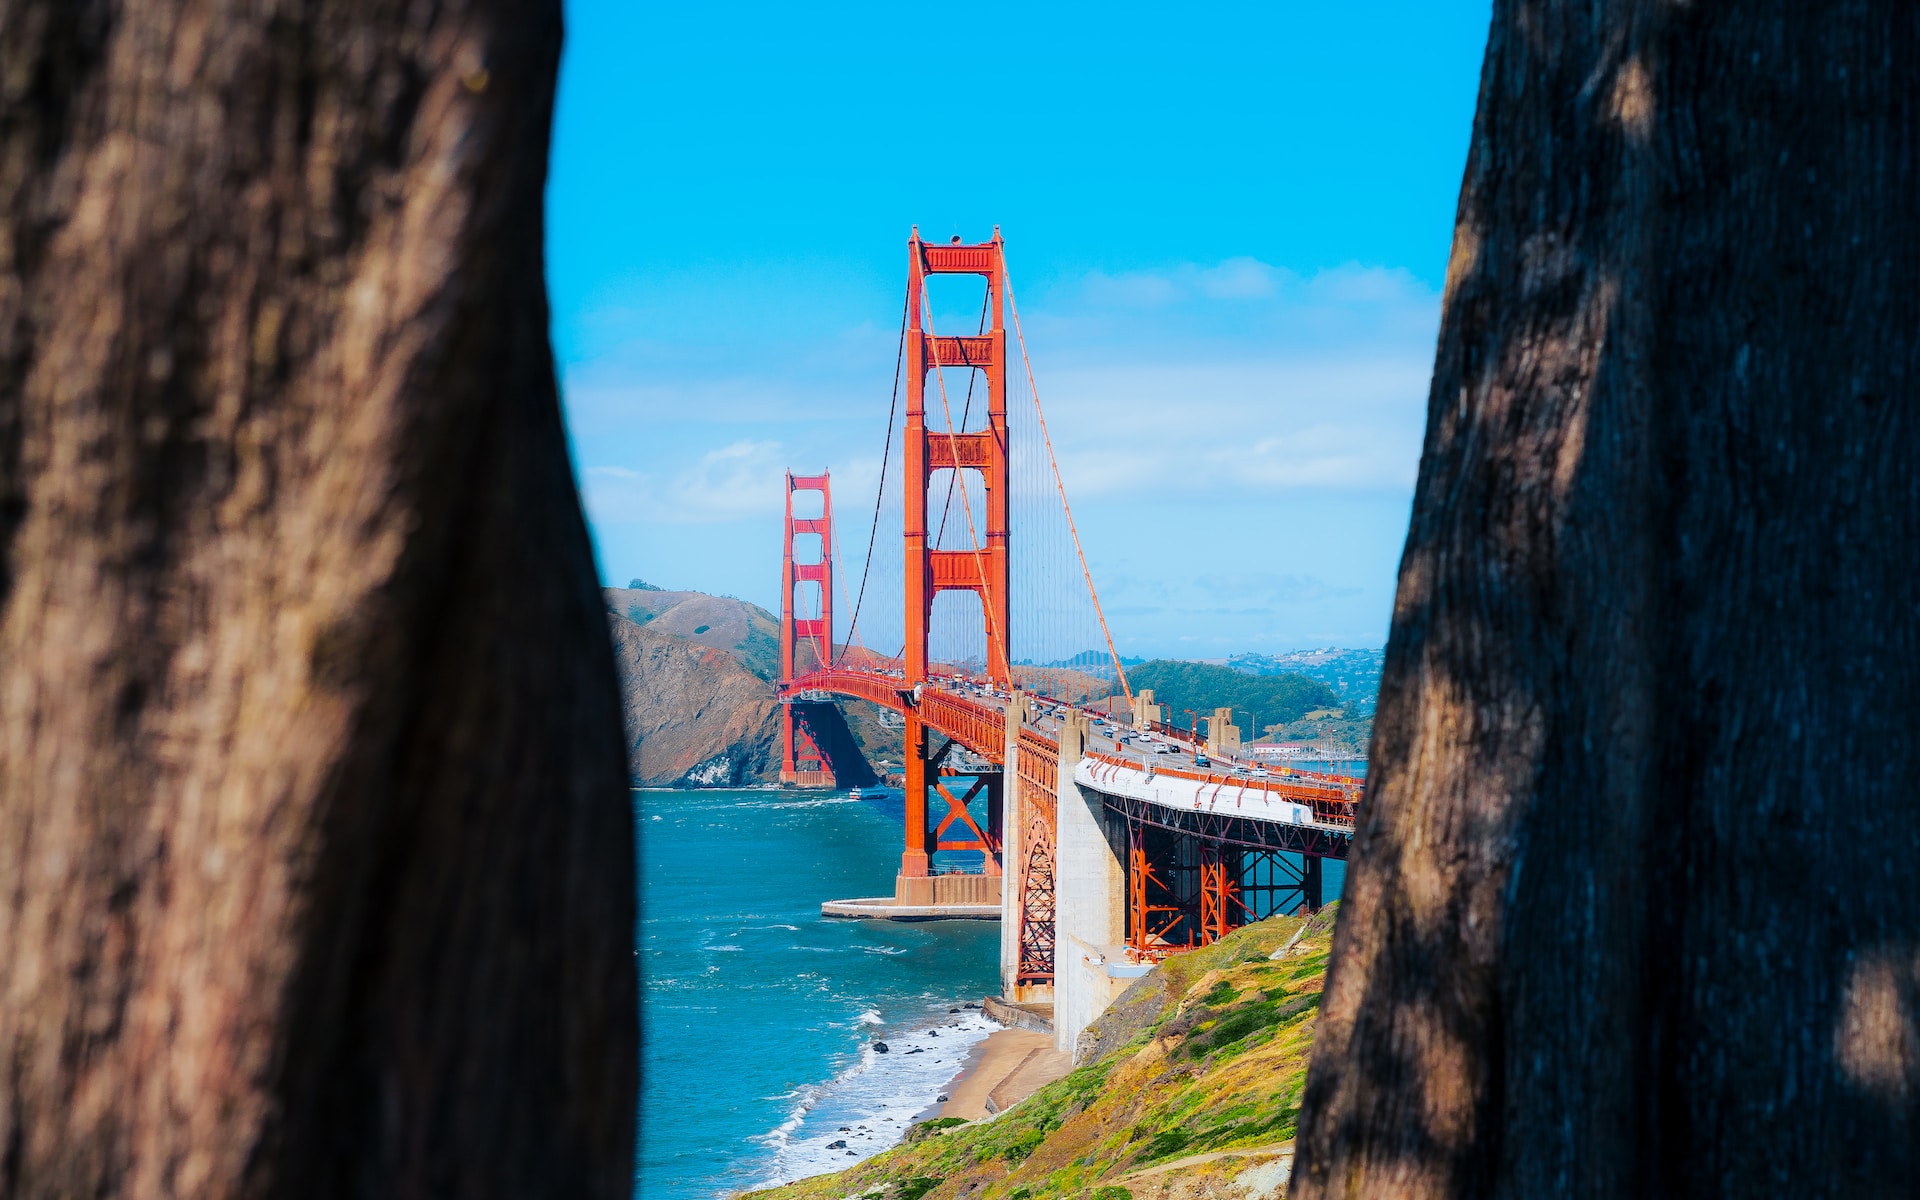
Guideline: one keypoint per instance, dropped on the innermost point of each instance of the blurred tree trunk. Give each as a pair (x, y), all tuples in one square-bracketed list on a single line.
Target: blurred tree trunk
[(316, 871), (1634, 908)]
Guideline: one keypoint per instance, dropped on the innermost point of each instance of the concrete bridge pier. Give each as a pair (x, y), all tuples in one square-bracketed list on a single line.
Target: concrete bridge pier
[(1011, 831), (1090, 899)]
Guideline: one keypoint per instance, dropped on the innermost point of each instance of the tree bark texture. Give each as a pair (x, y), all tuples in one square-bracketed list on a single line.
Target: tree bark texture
[(1633, 910), (316, 872)]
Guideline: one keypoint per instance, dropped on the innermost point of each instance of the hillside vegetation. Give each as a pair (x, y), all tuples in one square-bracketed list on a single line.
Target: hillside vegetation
[(1191, 1092), (1203, 687), (1354, 674)]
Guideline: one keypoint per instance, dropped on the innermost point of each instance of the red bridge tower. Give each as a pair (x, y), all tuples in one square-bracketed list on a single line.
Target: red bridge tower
[(810, 638), (981, 568)]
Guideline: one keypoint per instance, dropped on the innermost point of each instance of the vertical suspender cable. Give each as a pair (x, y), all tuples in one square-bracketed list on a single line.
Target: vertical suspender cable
[(1071, 527)]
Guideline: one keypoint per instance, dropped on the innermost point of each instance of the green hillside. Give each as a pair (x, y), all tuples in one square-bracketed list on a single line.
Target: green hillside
[(1203, 687)]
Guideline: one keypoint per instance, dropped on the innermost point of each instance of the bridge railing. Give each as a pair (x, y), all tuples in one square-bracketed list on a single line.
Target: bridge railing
[(884, 690), (1174, 731), (1331, 805), (978, 727)]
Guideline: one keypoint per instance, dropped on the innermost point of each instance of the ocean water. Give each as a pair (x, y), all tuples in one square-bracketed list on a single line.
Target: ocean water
[(759, 1015)]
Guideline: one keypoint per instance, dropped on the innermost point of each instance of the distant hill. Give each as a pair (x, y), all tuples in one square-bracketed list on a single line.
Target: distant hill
[(1203, 687), (696, 684), (694, 715), (748, 632), (1355, 674)]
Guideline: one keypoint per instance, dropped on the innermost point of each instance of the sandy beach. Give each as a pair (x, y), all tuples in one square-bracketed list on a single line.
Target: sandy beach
[(1000, 1071)]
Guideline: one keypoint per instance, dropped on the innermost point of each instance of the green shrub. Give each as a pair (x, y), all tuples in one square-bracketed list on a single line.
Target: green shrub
[(924, 1128), (1166, 1144), (913, 1189), (1023, 1144), (1222, 993), (1113, 1193)]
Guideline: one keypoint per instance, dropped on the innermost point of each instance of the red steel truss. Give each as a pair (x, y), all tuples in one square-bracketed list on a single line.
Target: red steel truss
[(1038, 768)]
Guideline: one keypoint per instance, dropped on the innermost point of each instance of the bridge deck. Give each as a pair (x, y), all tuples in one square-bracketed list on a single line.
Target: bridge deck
[(1147, 767)]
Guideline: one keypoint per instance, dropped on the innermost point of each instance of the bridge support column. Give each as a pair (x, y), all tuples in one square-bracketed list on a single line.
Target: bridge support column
[(1090, 903), (1310, 883), (913, 885), (1011, 850)]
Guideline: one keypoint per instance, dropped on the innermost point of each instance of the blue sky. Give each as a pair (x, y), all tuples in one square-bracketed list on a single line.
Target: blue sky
[(1227, 227)]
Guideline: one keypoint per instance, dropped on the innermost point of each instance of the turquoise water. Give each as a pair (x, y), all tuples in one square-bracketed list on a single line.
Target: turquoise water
[(759, 1015)]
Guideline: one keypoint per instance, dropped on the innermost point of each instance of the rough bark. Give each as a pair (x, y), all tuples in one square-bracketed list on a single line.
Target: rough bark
[(1633, 910), (313, 880)]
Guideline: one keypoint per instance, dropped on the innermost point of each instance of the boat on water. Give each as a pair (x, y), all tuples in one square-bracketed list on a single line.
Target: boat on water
[(869, 793)]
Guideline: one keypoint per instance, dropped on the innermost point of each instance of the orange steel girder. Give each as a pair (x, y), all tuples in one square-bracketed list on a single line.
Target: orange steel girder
[(816, 631), (1146, 936), (957, 814), (982, 571), (1219, 894)]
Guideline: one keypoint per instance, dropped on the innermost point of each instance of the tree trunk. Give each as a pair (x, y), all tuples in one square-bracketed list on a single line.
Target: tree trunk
[(316, 871), (1633, 908)]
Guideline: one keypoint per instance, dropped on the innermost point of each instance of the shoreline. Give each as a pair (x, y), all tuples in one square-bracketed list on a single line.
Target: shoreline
[(868, 1105), (1000, 1070)]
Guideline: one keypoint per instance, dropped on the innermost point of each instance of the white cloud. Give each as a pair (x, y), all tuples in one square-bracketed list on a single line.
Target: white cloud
[(1233, 279), (741, 479)]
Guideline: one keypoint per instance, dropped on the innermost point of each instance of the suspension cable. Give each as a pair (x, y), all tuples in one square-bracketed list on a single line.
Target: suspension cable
[(886, 455), (1071, 526)]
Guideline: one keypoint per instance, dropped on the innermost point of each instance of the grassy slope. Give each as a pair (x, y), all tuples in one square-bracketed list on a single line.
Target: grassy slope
[(1210, 1054), (1203, 687)]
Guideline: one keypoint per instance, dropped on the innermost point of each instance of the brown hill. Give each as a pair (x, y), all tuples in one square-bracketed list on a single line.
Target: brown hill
[(746, 631), (695, 681), (694, 715)]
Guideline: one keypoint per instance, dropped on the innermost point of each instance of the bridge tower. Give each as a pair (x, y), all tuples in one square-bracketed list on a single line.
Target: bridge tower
[(980, 569), (802, 763)]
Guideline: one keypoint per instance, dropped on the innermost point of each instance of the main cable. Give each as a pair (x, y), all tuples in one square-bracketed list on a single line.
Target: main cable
[(886, 456)]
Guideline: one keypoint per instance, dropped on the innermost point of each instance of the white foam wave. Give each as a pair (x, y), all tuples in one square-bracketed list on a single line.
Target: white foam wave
[(870, 1103), (880, 949)]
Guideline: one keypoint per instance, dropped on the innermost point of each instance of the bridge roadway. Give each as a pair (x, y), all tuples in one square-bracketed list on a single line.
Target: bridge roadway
[(1158, 770)]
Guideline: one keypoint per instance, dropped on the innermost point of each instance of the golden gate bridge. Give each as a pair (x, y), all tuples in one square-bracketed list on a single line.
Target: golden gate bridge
[(1039, 789)]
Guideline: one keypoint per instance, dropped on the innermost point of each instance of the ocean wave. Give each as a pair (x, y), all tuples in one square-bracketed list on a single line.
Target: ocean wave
[(788, 805), (870, 1102), (880, 949)]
